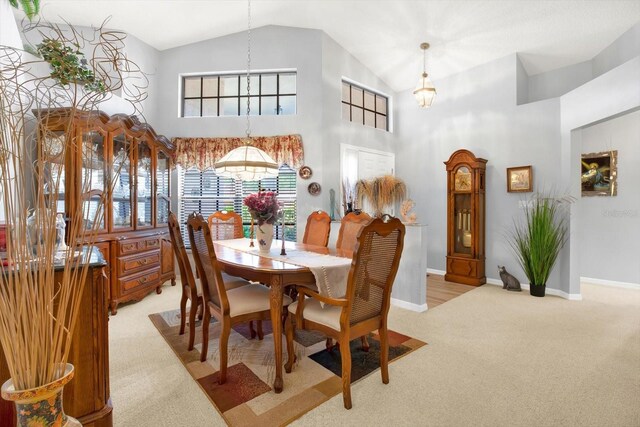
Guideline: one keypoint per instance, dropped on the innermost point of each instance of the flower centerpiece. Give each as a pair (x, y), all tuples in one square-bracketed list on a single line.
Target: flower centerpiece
[(266, 210)]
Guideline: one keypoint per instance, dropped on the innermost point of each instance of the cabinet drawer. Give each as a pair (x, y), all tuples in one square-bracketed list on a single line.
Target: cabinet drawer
[(137, 262), (149, 278), (128, 247)]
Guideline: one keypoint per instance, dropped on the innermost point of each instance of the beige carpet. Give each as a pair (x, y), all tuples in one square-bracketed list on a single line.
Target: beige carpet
[(495, 358)]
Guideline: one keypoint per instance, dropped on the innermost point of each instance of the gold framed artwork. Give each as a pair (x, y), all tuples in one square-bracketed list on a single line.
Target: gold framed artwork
[(520, 179), (599, 173)]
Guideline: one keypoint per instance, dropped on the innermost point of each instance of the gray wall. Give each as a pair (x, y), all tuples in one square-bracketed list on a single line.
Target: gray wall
[(610, 226), (477, 110), (320, 63)]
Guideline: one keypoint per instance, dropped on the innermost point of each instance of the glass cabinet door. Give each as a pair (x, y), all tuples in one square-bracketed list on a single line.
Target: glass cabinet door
[(92, 179), (163, 202), (54, 168), (122, 185), (462, 210), (144, 176)]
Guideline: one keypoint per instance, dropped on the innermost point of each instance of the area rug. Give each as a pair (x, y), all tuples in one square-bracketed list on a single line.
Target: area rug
[(247, 398)]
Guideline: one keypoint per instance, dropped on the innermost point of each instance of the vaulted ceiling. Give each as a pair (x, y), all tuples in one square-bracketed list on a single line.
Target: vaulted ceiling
[(384, 34)]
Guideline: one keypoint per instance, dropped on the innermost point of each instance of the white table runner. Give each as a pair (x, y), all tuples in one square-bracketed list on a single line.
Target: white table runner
[(331, 272)]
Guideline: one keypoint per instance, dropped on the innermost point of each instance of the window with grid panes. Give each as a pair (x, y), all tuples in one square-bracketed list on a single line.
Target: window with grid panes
[(226, 94), (363, 106), (205, 192)]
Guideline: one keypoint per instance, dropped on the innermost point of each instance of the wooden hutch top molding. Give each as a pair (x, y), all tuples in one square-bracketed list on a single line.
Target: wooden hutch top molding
[(129, 123)]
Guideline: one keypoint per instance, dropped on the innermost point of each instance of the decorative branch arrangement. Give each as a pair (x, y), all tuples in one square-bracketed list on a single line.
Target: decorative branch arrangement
[(35, 331), (381, 192)]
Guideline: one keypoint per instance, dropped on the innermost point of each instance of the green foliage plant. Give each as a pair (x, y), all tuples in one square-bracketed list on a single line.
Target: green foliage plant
[(68, 65), (31, 8), (537, 240)]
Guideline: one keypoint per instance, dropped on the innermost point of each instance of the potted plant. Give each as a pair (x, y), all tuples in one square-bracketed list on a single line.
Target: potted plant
[(537, 240), (266, 209), (37, 313)]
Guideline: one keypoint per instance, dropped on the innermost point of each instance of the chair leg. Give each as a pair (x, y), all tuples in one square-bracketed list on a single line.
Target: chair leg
[(384, 354), (289, 330), (224, 343), (195, 306), (200, 311), (329, 344), (345, 353), (205, 334), (260, 333), (183, 312), (252, 332), (365, 343)]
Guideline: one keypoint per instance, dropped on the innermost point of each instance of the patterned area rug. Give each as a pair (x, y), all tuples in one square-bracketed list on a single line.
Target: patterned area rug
[(247, 399)]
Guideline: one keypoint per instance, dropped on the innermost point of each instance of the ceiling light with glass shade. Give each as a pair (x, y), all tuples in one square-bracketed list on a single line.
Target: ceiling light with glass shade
[(247, 163), (425, 91)]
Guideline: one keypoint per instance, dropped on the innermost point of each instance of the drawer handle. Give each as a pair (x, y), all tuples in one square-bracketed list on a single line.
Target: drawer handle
[(143, 262), (142, 280)]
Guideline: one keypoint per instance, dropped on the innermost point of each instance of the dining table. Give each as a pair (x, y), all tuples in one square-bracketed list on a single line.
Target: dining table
[(238, 258)]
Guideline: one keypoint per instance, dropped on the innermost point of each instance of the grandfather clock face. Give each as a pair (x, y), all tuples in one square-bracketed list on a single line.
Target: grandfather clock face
[(462, 180)]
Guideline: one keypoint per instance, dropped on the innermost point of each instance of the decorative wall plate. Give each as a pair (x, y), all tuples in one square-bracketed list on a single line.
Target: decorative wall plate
[(305, 172), (314, 188)]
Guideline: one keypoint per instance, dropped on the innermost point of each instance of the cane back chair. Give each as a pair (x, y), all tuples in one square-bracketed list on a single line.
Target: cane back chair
[(366, 304)]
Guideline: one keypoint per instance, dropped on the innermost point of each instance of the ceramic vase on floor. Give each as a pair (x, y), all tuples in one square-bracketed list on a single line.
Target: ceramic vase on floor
[(264, 236), (41, 406)]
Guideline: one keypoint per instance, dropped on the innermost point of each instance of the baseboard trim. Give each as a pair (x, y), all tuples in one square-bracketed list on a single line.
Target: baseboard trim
[(434, 271), (548, 291), (610, 283), (409, 305)]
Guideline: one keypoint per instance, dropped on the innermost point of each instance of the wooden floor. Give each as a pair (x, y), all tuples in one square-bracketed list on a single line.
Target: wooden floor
[(440, 291)]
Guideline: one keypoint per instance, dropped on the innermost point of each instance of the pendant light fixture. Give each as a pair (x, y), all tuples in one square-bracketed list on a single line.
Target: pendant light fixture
[(425, 91), (247, 163)]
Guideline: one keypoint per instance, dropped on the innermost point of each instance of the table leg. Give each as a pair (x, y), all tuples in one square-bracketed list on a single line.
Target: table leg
[(276, 326)]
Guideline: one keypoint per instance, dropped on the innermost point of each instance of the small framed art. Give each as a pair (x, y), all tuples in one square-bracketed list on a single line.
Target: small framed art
[(599, 174), (520, 179)]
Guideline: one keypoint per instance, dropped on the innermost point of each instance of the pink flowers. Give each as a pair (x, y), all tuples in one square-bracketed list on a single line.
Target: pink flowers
[(264, 207)]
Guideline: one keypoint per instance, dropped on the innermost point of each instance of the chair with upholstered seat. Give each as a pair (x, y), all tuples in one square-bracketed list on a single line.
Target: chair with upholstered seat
[(349, 228), (318, 228), (228, 306), (190, 285), (225, 225), (366, 304)]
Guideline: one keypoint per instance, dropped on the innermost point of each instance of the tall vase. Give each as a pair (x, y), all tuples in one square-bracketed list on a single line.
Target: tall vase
[(264, 236), (41, 406)]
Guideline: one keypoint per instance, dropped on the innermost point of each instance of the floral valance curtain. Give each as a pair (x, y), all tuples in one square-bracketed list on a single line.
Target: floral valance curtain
[(202, 153)]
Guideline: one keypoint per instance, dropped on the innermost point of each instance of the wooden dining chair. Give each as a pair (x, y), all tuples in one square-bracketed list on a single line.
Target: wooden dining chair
[(228, 306), (349, 228), (225, 225), (366, 304), (190, 285), (318, 228)]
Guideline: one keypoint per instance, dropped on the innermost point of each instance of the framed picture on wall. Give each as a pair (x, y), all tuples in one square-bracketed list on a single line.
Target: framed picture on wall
[(519, 179), (599, 173)]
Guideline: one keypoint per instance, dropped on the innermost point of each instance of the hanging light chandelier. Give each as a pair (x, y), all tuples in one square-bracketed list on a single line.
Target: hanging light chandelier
[(247, 163), (425, 91)]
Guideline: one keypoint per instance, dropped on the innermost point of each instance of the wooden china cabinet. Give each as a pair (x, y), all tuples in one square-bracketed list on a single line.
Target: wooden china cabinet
[(466, 185), (126, 162)]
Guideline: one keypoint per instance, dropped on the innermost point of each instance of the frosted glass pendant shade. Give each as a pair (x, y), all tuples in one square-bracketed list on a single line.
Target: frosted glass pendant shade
[(246, 163), (425, 92)]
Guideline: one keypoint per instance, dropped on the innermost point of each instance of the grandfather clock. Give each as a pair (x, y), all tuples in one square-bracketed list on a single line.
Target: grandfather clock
[(465, 218)]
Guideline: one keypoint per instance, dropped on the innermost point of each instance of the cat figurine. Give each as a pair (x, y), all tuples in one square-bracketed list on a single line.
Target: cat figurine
[(510, 282)]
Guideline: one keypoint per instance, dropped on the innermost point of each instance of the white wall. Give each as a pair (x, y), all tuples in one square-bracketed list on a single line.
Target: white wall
[(611, 225), (477, 110)]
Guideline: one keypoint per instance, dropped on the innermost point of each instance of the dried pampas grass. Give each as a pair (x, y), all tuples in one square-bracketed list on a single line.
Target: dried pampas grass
[(381, 192)]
